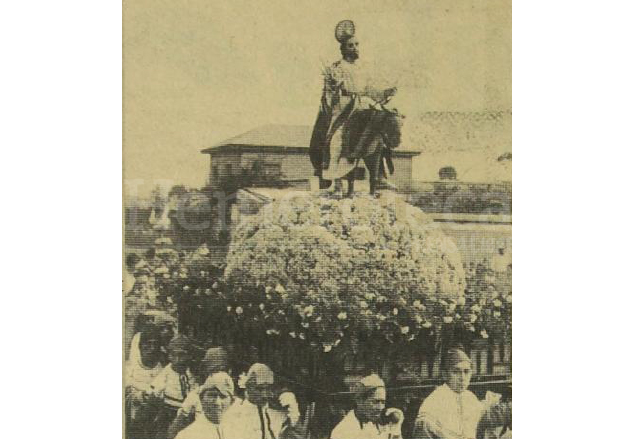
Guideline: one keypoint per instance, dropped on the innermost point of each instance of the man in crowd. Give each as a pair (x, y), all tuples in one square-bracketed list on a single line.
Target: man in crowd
[(370, 419), (174, 382), (216, 396), (253, 418), (451, 411)]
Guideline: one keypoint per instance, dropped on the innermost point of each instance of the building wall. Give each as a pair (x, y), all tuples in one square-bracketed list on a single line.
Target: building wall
[(221, 165), (294, 166)]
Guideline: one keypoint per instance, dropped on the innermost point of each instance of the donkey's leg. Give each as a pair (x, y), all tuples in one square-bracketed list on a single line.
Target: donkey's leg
[(350, 178), (372, 163)]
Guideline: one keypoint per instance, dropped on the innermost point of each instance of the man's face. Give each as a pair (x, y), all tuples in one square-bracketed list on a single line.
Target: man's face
[(148, 350), (259, 393), (372, 407), (351, 49), (214, 404), (459, 376), (180, 359)]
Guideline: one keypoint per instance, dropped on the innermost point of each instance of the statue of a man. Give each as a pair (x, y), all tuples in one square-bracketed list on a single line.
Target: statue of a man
[(351, 120)]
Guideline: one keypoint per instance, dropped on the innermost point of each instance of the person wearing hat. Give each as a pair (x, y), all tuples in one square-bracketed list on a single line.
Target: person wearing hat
[(176, 380), (216, 396), (370, 419), (346, 91), (215, 360), (140, 371), (451, 411), (253, 418)]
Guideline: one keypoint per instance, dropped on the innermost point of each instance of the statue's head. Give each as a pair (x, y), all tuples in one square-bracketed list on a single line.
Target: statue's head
[(350, 49), (344, 33)]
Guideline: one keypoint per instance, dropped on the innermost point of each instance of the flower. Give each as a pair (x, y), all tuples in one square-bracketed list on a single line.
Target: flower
[(280, 289), (405, 329), (239, 310), (476, 308), (293, 334), (363, 304), (308, 310), (497, 314), (427, 324), (484, 334), (305, 324), (229, 308), (447, 319), (262, 306), (395, 311), (473, 318), (302, 336), (272, 332), (342, 315), (498, 303)]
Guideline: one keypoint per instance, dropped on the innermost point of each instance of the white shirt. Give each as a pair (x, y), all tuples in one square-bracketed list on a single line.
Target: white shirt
[(242, 421), (457, 414), (351, 428), (202, 428), (167, 385)]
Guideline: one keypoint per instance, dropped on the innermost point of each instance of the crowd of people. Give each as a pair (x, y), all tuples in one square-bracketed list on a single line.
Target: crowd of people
[(170, 395), (175, 388)]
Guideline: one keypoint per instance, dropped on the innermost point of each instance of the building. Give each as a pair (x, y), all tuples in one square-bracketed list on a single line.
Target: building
[(281, 152)]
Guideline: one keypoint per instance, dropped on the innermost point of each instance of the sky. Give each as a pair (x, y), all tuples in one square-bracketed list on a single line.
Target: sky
[(197, 72)]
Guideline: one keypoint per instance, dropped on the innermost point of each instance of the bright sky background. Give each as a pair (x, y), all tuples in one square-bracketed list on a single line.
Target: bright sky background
[(199, 71)]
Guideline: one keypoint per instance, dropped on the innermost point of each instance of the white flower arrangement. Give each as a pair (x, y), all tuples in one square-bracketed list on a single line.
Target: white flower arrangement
[(346, 263)]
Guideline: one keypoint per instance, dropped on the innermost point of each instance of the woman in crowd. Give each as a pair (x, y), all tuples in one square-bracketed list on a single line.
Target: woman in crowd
[(215, 361), (216, 396), (451, 411), (370, 419), (140, 372)]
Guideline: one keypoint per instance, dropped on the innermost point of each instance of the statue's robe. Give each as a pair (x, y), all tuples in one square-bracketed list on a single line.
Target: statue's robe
[(349, 124)]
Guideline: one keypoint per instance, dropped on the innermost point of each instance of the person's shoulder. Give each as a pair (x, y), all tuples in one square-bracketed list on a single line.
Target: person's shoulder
[(432, 399), (189, 432), (471, 396), (344, 428), (335, 68)]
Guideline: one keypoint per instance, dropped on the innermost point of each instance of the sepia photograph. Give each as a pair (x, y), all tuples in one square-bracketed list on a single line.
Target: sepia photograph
[(317, 208)]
